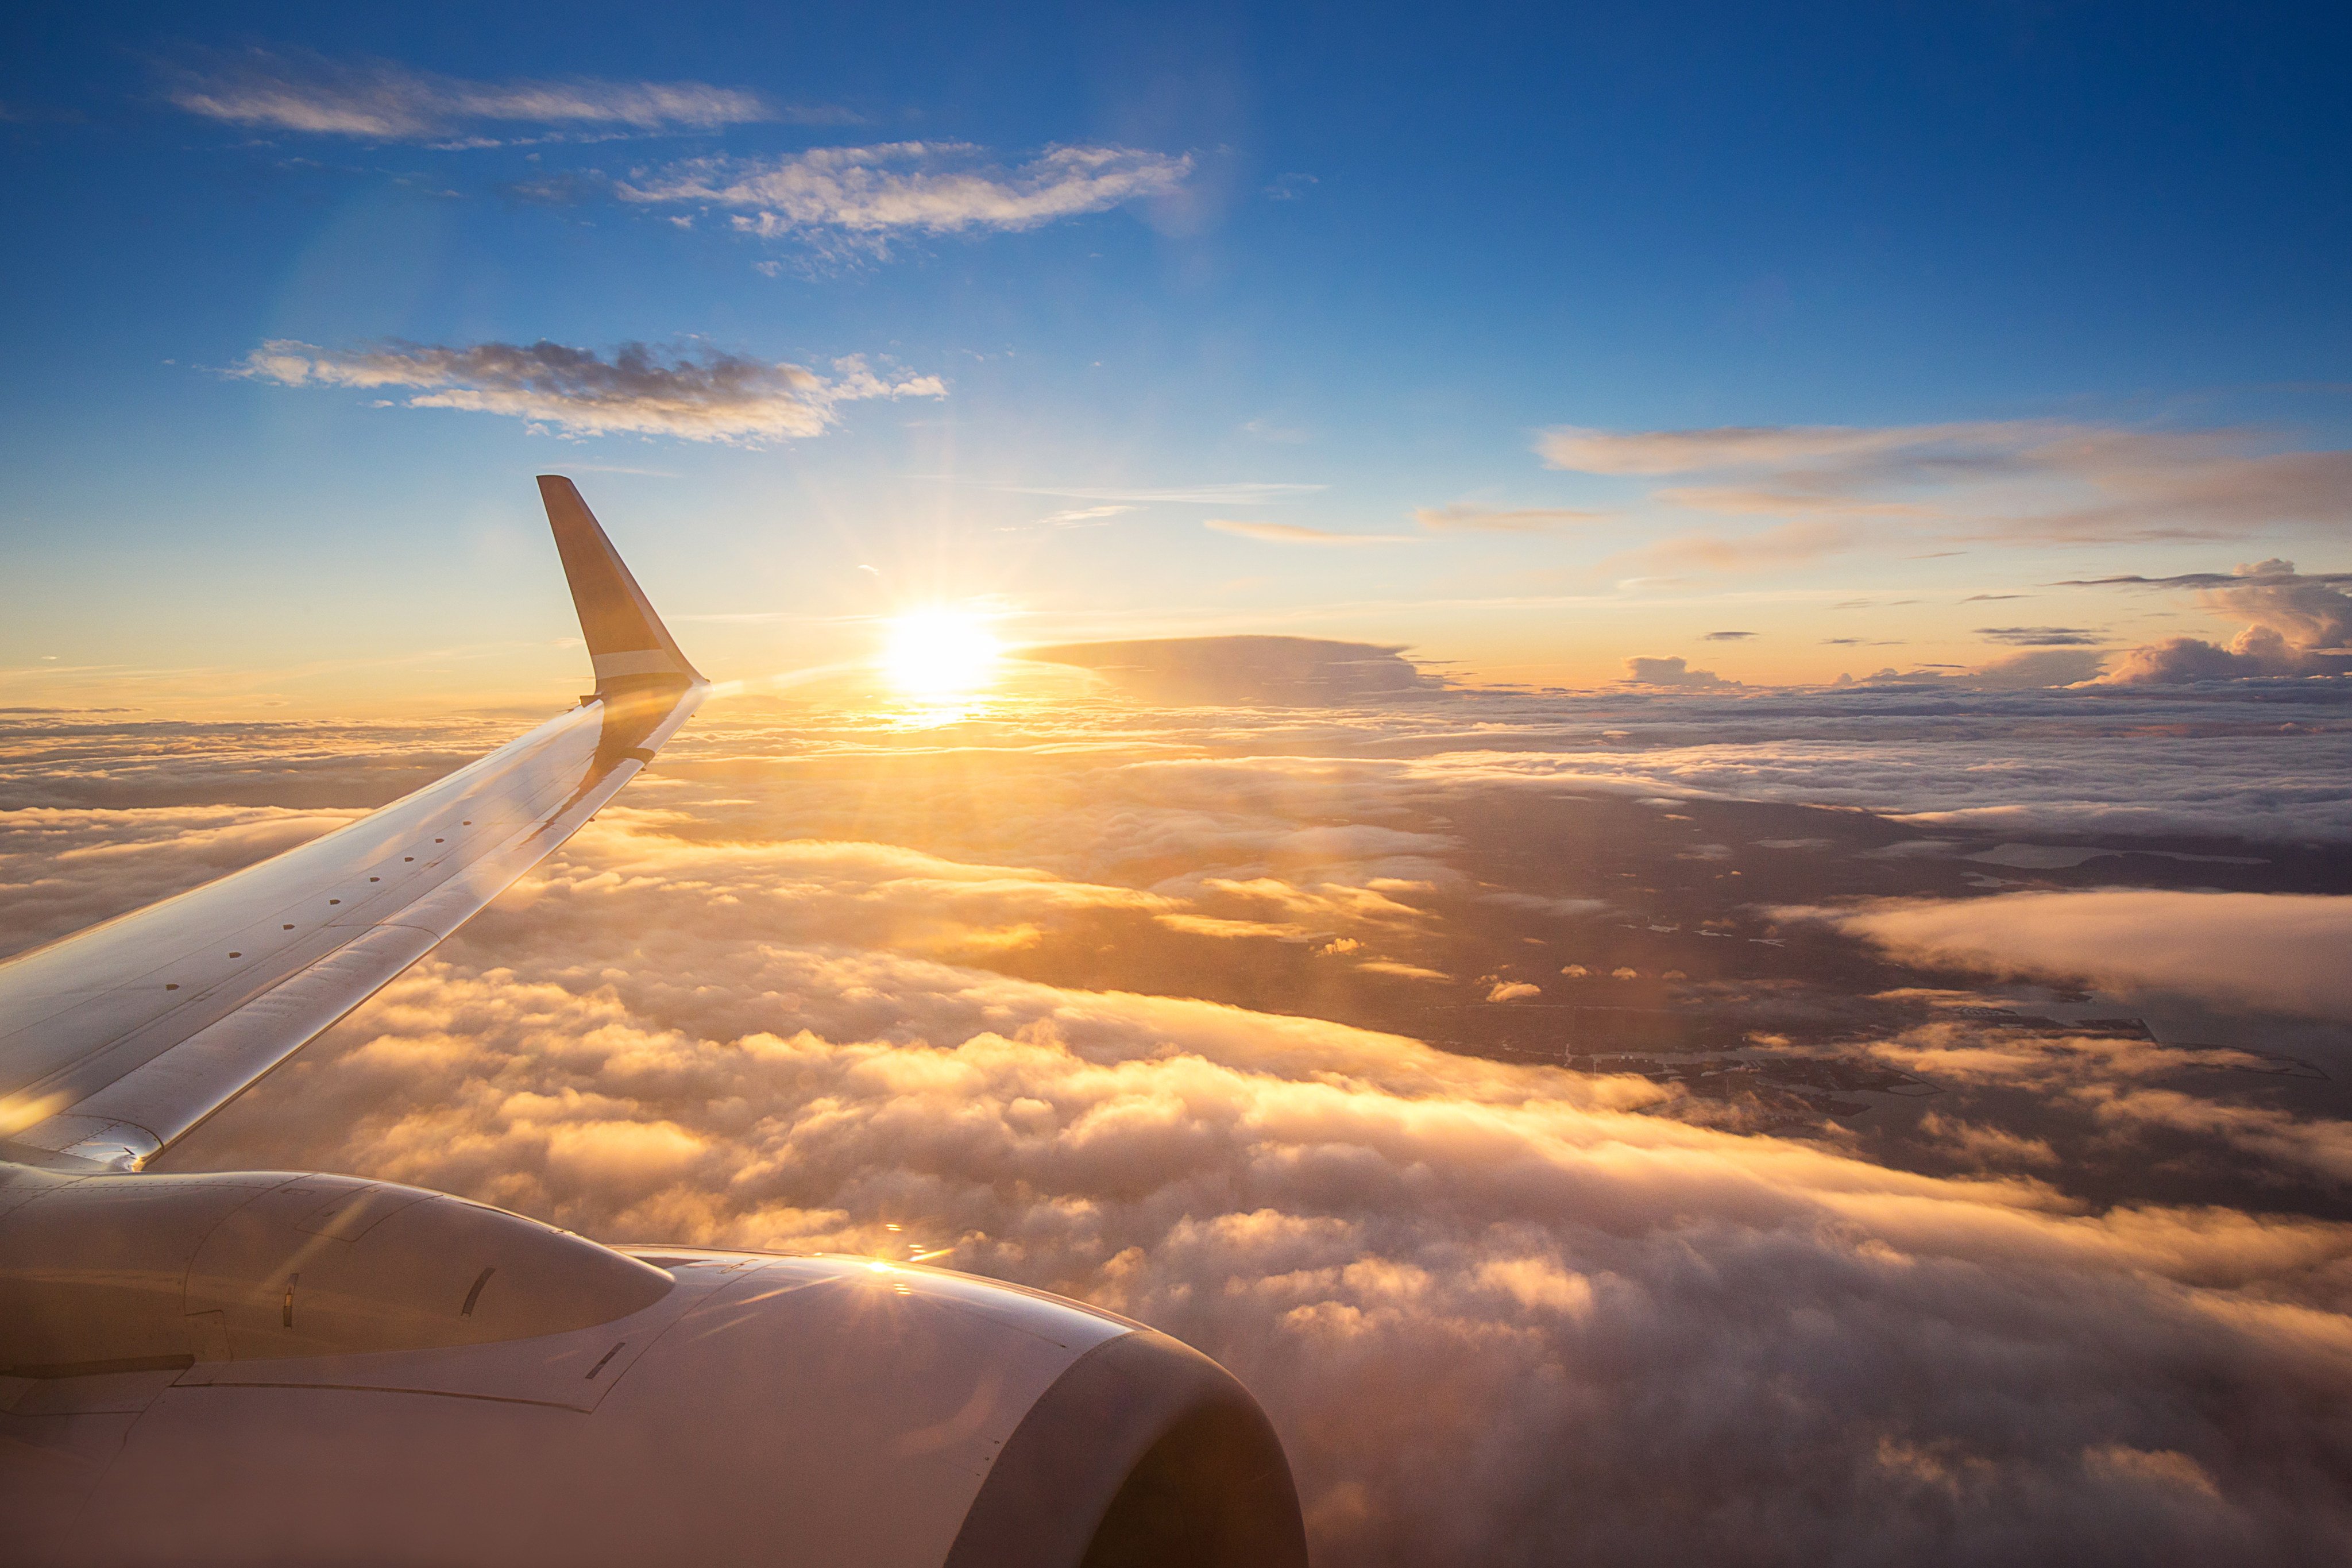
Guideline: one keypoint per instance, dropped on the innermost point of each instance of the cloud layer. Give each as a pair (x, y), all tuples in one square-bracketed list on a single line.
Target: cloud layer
[(696, 396), (816, 983), (1498, 1315)]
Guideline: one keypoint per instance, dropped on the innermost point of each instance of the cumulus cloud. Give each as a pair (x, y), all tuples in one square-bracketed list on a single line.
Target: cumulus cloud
[(2297, 625), (862, 196), (2279, 951), (1673, 673), (1292, 534), (1496, 1315), (696, 395), (386, 102), (1500, 1311), (2034, 481)]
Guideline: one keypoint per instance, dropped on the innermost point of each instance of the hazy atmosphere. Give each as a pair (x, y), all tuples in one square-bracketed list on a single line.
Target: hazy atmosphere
[(1613, 742)]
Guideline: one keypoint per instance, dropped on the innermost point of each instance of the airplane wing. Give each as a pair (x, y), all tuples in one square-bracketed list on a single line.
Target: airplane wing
[(118, 1039)]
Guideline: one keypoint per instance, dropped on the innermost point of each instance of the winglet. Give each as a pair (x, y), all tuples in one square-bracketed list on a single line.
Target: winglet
[(631, 648)]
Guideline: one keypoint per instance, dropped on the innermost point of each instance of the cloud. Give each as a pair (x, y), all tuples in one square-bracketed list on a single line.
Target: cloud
[(1496, 1314), (2031, 481), (1673, 673), (699, 394), (1727, 637), (1292, 534), (2036, 667), (386, 102), (1465, 519), (2043, 666), (2275, 950), (814, 980), (1797, 543), (861, 196), (2298, 624), (1238, 493), (1265, 430), (1943, 753), (1194, 670), (2042, 637), (1076, 517)]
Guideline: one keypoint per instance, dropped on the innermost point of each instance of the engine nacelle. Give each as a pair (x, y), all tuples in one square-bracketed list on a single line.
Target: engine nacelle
[(459, 1385), (108, 1273)]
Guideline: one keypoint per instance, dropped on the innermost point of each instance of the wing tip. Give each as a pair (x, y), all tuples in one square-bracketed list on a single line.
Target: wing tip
[(626, 640)]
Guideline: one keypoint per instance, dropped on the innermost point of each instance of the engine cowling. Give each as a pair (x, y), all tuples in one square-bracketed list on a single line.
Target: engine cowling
[(680, 1404)]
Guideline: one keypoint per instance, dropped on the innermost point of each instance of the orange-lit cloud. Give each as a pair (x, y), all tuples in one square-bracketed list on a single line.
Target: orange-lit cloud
[(1292, 534), (2280, 950), (1480, 1300), (1499, 1310)]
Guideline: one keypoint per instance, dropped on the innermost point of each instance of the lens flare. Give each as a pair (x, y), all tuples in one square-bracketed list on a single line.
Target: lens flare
[(938, 653)]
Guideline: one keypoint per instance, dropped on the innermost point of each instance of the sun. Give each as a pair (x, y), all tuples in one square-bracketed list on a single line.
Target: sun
[(936, 653)]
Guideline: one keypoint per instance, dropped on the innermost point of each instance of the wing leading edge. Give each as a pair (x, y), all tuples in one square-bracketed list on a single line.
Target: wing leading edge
[(118, 1039)]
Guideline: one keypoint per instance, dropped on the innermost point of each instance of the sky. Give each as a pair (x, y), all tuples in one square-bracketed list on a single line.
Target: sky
[(1794, 344), (1612, 742)]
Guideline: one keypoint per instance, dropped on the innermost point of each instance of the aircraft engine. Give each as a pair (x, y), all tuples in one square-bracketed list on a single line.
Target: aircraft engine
[(270, 1368)]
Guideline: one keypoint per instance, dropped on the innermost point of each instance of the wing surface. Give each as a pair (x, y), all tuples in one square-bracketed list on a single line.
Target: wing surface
[(118, 1039)]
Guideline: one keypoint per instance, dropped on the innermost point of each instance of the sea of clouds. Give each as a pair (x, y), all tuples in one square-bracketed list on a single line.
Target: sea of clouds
[(1499, 1313)]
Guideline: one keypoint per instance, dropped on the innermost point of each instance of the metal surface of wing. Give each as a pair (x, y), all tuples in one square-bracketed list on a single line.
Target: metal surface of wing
[(116, 1040)]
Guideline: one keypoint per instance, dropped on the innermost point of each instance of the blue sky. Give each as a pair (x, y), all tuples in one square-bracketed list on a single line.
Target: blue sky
[(1368, 259)]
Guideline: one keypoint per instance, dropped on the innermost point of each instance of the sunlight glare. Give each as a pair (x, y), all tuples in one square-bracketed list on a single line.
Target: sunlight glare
[(938, 653)]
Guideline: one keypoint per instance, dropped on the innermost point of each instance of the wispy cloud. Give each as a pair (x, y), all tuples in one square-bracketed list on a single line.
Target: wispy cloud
[(2043, 637), (693, 394), (1462, 518), (1239, 493), (1079, 517), (385, 102), (1794, 544), (1291, 533), (2029, 480), (861, 196)]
